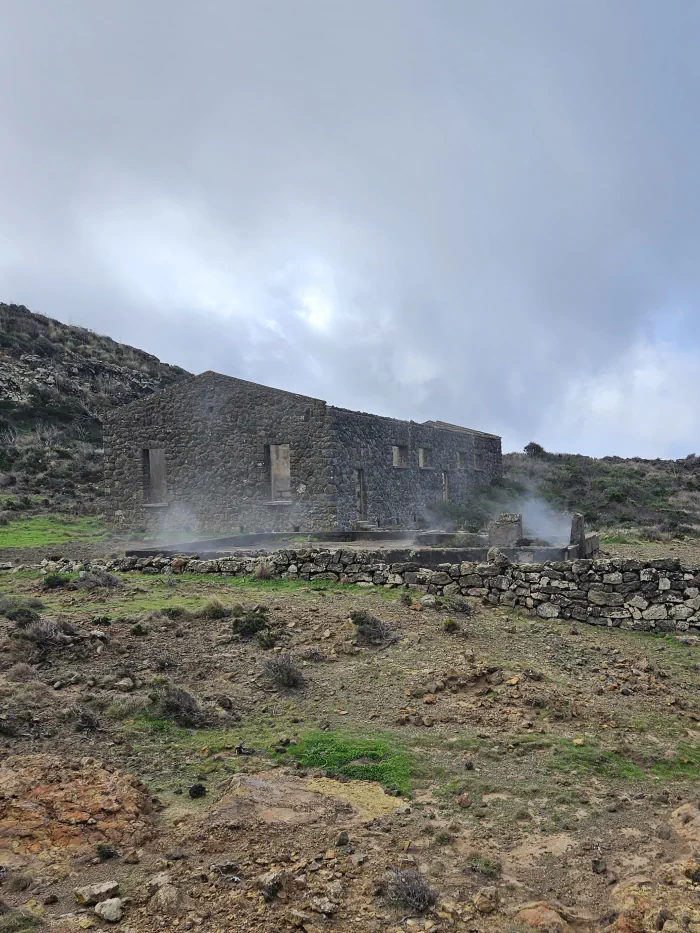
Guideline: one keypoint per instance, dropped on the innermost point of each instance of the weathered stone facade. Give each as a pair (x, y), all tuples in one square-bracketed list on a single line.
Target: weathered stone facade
[(200, 456)]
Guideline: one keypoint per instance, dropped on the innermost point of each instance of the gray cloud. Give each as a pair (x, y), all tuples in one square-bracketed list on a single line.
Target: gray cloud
[(482, 212)]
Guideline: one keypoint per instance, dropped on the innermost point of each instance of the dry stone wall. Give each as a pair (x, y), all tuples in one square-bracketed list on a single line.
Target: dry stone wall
[(655, 595)]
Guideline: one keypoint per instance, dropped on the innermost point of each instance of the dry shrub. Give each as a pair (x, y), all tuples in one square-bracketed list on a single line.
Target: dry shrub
[(370, 629), (264, 570), (212, 610), (126, 707), (47, 634), (179, 705), (410, 888), (97, 579), (282, 672), (20, 673), (20, 611)]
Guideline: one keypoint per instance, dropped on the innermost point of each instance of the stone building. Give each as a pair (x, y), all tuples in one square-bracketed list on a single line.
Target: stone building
[(216, 454)]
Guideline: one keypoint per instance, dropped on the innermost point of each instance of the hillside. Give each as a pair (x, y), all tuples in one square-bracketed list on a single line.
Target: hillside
[(647, 498), (56, 381)]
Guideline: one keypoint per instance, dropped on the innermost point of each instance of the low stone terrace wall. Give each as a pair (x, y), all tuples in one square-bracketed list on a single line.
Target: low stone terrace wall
[(661, 595)]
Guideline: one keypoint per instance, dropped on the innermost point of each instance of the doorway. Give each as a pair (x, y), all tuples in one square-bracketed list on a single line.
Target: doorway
[(360, 494)]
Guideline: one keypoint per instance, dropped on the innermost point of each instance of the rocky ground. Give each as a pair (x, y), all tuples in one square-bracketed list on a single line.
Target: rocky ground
[(219, 754)]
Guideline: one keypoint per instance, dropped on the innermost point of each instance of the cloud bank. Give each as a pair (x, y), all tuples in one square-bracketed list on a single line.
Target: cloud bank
[(486, 213)]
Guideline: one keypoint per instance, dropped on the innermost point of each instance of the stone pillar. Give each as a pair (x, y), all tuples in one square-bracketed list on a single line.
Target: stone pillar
[(578, 531), (506, 530)]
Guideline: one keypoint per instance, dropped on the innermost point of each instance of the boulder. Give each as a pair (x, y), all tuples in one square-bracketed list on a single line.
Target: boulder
[(92, 894), (110, 910)]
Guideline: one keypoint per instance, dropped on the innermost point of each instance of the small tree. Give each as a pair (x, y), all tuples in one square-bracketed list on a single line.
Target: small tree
[(535, 450)]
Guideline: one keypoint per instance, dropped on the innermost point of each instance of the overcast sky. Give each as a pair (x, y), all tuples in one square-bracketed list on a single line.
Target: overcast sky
[(481, 212)]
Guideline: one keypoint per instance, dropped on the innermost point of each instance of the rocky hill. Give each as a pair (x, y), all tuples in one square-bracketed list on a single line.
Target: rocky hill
[(56, 381), (650, 499)]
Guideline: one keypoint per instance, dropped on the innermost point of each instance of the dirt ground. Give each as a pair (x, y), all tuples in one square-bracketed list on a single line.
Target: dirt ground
[(535, 775)]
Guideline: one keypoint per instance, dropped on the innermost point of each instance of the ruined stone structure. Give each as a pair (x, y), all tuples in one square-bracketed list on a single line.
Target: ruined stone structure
[(218, 454)]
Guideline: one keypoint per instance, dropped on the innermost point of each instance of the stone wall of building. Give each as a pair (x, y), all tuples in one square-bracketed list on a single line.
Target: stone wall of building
[(215, 432), (209, 440), (655, 595), (400, 495)]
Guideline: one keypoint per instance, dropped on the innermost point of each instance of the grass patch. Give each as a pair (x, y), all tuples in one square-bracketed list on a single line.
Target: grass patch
[(42, 530), (376, 759), (17, 921), (592, 760), (618, 539), (683, 766)]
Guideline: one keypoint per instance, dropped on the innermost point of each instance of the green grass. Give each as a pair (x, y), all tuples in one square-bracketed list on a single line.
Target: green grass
[(683, 766), (19, 922), (618, 539), (362, 759), (592, 760), (42, 530)]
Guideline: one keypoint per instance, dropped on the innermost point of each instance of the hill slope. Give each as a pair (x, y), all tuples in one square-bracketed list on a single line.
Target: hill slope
[(646, 497), (56, 381)]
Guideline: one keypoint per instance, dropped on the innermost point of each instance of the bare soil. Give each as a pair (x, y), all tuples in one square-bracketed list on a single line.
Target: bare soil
[(537, 775)]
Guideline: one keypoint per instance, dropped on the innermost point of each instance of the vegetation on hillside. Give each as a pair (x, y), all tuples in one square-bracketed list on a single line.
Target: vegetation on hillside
[(56, 382), (656, 496)]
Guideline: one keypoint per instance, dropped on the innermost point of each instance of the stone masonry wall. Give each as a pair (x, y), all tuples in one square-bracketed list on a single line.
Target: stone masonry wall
[(656, 595), (214, 431), (401, 495)]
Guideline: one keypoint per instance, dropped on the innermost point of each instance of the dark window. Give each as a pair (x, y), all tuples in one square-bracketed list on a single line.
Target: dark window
[(307, 415), (153, 465), (480, 458), (425, 458), (462, 460), (400, 457)]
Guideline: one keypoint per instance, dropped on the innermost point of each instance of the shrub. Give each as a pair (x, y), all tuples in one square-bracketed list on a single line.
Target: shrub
[(47, 634), (20, 611), (405, 598), (105, 851), (20, 673), (179, 705), (315, 655), (126, 707), (410, 888), (139, 630), (267, 639), (450, 626), (489, 868), (282, 672), (164, 663), (97, 579), (54, 581), (212, 610), (176, 612), (264, 570), (370, 629), (455, 603), (85, 719), (251, 623)]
